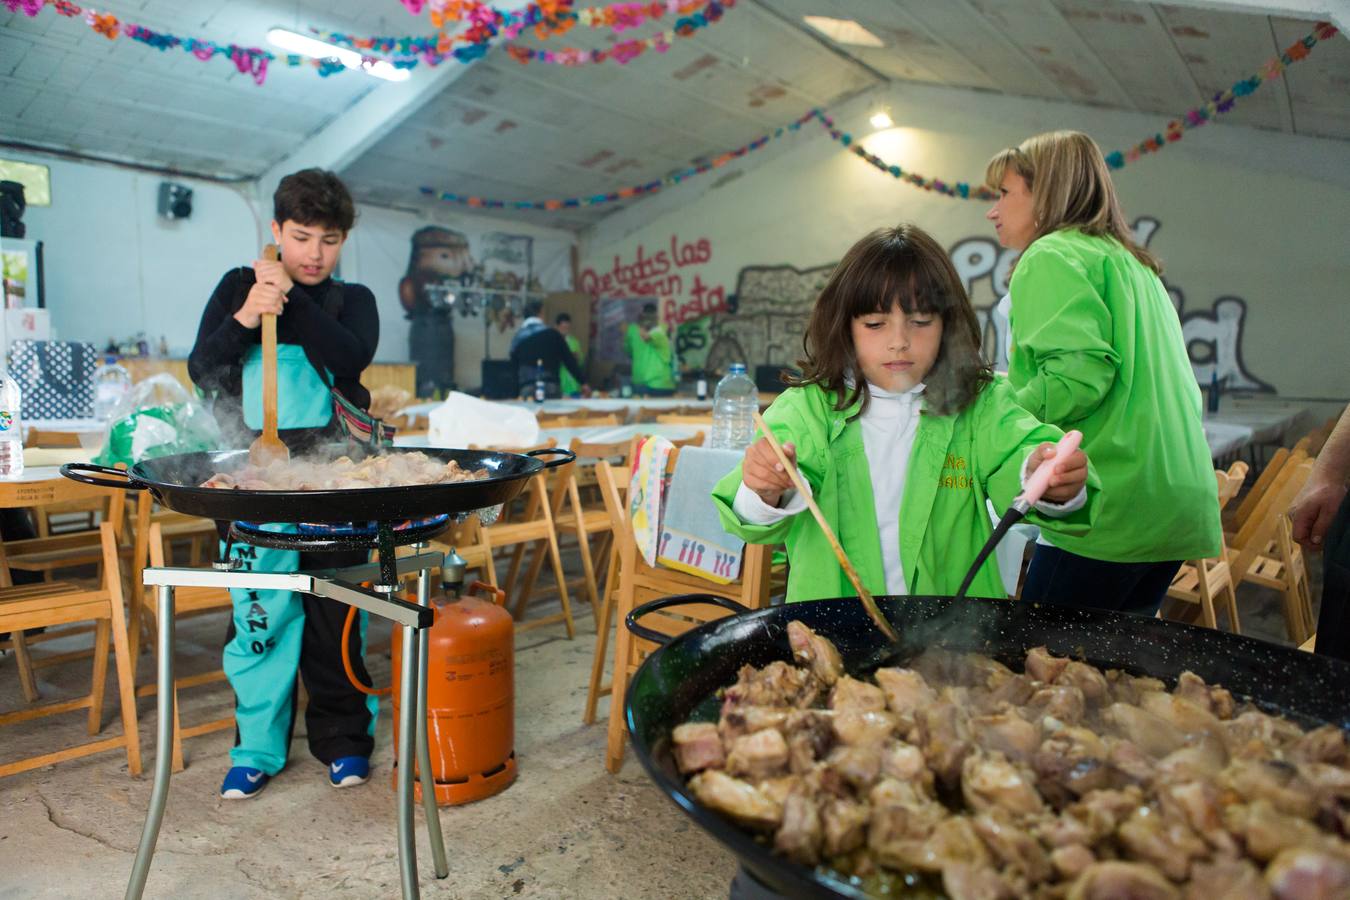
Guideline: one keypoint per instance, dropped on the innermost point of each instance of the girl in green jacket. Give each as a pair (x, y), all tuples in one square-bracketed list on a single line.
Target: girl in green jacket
[(902, 434), (1097, 346)]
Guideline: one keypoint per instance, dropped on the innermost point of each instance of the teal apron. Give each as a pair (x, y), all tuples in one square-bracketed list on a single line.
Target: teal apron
[(263, 658)]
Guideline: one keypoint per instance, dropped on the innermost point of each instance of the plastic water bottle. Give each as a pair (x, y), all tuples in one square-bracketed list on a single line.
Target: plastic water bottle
[(11, 433), (112, 382), (539, 388), (734, 406)]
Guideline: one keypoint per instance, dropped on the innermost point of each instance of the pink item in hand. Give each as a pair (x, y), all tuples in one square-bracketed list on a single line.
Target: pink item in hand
[(1040, 479)]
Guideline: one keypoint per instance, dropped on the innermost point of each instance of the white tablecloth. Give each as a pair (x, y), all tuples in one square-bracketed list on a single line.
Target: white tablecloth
[(627, 407), (601, 434), (1268, 420)]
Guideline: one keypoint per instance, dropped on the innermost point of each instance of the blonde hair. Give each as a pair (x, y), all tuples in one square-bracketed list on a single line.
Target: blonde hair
[(1070, 188)]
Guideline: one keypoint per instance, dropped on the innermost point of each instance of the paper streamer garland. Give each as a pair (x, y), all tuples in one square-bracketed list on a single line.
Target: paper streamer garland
[(637, 190), (253, 61), (1223, 102), (488, 25)]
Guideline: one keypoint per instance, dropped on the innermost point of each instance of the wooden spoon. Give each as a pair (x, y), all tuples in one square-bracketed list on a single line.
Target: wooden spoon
[(268, 447), (868, 601)]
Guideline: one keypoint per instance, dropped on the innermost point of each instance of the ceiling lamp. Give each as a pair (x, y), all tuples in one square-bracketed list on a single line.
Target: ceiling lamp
[(881, 120), (293, 42), (844, 31)]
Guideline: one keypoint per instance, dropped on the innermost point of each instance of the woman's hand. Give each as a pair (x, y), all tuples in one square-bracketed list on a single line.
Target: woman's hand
[(271, 271), (1313, 509), (262, 298), (764, 474), (1068, 476)]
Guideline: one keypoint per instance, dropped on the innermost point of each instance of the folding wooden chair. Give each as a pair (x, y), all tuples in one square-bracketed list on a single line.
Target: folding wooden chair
[(1233, 523), (704, 419), (639, 582), (54, 603), (534, 523), (1199, 582), (189, 602), (1263, 552)]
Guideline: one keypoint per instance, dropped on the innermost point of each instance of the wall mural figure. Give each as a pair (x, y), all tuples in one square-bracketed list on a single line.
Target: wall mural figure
[(440, 258)]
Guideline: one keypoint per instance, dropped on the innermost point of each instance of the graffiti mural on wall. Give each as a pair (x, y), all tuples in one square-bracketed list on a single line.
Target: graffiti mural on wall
[(763, 320)]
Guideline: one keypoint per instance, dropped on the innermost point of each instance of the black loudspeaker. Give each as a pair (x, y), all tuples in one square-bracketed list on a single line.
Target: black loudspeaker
[(12, 205), (175, 200), (499, 380), (768, 379)]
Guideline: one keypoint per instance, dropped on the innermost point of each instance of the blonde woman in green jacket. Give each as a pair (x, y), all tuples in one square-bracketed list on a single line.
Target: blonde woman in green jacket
[(1096, 345), (901, 433)]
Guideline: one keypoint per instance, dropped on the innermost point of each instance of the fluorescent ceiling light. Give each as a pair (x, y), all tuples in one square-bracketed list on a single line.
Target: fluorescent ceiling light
[(844, 31), (305, 45), (881, 120)]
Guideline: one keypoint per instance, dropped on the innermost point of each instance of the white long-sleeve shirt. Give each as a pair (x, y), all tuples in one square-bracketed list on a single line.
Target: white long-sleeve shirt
[(888, 426)]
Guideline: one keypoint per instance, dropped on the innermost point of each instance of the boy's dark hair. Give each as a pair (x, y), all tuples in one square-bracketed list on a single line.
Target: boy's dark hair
[(891, 266), (562, 317), (532, 308), (314, 197), (649, 308)]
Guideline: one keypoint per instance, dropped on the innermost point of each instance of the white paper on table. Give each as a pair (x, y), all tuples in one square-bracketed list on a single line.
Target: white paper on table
[(463, 420)]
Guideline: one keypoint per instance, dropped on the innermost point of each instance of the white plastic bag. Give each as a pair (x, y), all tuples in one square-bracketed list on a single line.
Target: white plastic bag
[(463, 420)]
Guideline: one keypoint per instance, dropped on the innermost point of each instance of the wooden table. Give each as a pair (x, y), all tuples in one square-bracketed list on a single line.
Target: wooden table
[(596, 434)]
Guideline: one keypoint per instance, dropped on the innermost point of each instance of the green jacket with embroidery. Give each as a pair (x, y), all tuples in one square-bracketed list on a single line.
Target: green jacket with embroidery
[(1097, 345), (957, 462), (651, 358)]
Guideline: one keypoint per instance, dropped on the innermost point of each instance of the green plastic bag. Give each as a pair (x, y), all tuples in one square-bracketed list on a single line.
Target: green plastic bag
[(157, 418)]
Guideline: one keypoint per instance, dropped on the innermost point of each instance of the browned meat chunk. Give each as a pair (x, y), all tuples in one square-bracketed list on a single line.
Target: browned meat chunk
[(963, 881), (1170, 845), (698, 746), (1122, 881), (1183, 715), (906, 693), (989, 781), (1087, 679), (741, 801), (1093, 818), (1197, 803), (1126, 688), (777, 684), (851, 694), (944, 736), (858, 728), (1256, 734), (1309, 875), (845, 824), (1044, 667), (1204, 759), (799, 837), (1007, 733), (1072, 860), (1071, 763), (1154, 736), (742, 720), (1013, 845), (1226, 879), (905, 762), (757, 756), (1062, 702), (809, 737), (1322, 745), (860, 765), (1278, 782), (1267, 832), (815, 653), (1128, 760), (898, 832)]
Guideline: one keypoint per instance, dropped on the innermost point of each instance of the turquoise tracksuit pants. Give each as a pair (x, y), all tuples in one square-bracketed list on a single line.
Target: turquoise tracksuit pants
[(273, 636)]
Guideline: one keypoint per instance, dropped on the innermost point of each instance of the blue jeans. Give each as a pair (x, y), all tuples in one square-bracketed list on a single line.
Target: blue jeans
[(1067, 579)]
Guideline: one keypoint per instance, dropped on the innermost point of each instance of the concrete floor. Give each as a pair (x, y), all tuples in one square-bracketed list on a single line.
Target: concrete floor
[(566, 828)]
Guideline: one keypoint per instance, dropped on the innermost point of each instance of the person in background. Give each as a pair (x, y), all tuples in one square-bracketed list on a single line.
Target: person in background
[(649, 347), (327, 332), (1096, 345), (1321, 516), (901, 432), (569, 385), (537, 344)]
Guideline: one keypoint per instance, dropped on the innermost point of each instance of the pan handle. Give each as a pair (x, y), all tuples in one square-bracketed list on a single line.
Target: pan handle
[(125, 482), (651, 606), (565, 456)]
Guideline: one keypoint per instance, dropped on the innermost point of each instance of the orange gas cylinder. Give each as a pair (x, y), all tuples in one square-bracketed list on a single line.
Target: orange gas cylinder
[(470, 697)]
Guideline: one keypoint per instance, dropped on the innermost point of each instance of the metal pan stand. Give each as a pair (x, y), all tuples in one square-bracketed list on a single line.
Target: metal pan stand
[(344, 586)]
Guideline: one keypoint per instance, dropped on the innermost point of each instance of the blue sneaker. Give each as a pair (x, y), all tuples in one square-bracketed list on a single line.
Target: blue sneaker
[(348, 771), (243, 782)]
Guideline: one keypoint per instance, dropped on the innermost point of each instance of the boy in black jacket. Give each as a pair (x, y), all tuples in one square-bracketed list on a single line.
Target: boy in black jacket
[(326, 336)]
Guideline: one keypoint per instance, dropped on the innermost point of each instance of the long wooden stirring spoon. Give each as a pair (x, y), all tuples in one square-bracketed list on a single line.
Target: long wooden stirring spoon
[(269, 447), (868, 601)]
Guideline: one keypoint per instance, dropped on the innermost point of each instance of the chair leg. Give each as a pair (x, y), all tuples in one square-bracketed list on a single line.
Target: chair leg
[(588, 571), (24, 660), (100, 680), (1207, 617), (178, 765), (561, 577), (601, 647), (513, 571), (615, 735), (531, 575), (126, 684), (1230, 600)]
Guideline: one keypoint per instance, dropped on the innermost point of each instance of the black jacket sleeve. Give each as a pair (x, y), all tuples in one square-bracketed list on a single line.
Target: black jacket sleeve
[(345, 344), (566, 357), (221, 341)]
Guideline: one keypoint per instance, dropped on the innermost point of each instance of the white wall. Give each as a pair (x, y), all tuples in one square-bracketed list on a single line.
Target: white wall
[(114, 267), (1257, 215)]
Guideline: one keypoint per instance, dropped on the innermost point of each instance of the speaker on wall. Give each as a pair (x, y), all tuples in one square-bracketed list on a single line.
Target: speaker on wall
[(175, 200)]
